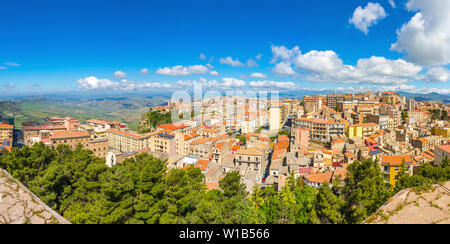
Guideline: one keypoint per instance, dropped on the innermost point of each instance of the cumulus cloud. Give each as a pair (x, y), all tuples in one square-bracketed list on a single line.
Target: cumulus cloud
[(437, 74), (233, 82), (230, 61), (120, 74), (363, 18), (209, 66), (202, 56), (258, 75), (326, 66), (283, 68), (215, 73), (283, 53), (426, 37), (180, 70), (94, 83), (273, 84), (144, 71)]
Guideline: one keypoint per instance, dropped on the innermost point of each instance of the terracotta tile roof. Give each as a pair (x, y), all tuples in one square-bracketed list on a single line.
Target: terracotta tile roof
[(396, 159), (364, 125), (125, 133), (349, 155), (249, 151), (320, 177), (202, 164), (97, 121), (172, 126), (68, 134), (5, 126), (446, 148)]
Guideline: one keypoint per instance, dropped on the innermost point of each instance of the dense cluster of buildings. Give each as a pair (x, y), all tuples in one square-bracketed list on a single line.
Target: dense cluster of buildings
[(315, 138)]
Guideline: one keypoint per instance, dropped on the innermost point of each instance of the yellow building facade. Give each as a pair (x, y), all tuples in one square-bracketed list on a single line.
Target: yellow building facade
[(392, 166)]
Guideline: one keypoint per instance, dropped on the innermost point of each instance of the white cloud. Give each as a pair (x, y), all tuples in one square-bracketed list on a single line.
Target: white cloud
[(258, 75), (283, 53), (120, 74), (229, 60), (144, 71), (92, 82), (180, 70), (437, 74), (273, 84), (426, 37), (252, 63), (326, 66), (385, 67), (392, 3), (215, 73), (319, 61), (258, 57), (232, 82), (209, 66), (363, 18), (202, 56), (283, 68)]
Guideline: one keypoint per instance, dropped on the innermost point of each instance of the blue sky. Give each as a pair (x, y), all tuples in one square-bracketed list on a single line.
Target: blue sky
[(53, 46)]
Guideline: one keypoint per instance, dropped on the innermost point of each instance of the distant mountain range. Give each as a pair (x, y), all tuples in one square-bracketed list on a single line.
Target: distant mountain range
[(435, 97)]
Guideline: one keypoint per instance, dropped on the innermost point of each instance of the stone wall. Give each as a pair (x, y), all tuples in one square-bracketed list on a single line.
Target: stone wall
[(18, 205)]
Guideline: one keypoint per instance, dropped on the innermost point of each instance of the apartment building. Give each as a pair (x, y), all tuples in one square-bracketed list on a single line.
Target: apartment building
[(317, 127), (32, 129), (99, 146), (333, 99), (381, 119), (415, 116), (390, 98), (411, 104), (343, 106), (126, 141), (362, 130), (202, 147), (441, 152), (312, 104), (391, 166), (254, 158), (278, 115), (101, 127), (164, 142), (6, 133)]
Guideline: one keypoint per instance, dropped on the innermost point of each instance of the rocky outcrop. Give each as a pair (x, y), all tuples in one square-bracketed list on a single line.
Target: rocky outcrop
[(18, 205), (416, 206)]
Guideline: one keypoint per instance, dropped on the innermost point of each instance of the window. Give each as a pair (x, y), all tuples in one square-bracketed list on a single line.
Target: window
[(396, 168)]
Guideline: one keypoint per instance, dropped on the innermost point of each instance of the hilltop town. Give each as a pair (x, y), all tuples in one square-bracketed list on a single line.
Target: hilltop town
[(314, 138)]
